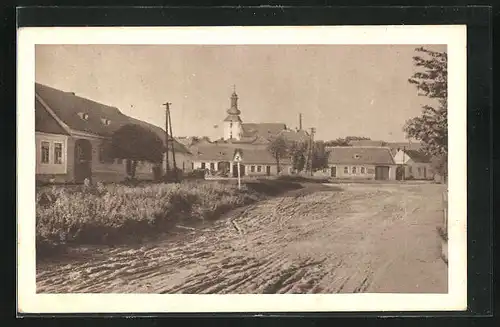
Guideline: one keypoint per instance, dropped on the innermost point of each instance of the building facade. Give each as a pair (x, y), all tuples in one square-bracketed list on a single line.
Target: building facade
[(413, 164), (370, 163), (71, 134)]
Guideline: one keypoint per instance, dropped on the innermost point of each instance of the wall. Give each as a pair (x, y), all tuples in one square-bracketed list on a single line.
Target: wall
[(235, 129), (51, 168), (369, 171), (412, 169)]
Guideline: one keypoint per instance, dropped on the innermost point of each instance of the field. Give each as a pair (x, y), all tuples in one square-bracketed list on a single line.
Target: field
[(343, 238)]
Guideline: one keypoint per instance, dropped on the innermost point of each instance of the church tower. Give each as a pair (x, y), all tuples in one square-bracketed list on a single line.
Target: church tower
[(232, 123)]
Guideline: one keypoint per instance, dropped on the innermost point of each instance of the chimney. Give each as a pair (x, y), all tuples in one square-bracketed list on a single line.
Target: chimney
[(300, 122)]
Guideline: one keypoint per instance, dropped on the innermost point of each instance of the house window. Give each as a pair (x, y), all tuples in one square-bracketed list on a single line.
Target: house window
[(192, 165), (362, 170), (58, 153), (346, 170), (212, 166), (45, 152), (354, 170), (252, 169), (202, 165), (419, 170), (259, 169), (410, 170)]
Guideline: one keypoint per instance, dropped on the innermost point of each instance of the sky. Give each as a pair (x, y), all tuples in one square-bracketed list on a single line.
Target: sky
[(341, 90)]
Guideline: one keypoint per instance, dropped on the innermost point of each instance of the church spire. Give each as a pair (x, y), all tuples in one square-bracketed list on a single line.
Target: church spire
[(234, 103)]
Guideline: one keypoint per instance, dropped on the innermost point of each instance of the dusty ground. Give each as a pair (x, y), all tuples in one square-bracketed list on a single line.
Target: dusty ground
[(322, 239)]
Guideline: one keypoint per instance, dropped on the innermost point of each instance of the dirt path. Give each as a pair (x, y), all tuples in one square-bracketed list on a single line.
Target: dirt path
[(360, 238)]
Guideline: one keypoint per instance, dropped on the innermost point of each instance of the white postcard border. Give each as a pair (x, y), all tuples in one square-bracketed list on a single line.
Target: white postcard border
[(454, 36)]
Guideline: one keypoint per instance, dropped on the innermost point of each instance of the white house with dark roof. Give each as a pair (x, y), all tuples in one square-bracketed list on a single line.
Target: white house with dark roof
[(413, 164), (350, 162), (71, 133)]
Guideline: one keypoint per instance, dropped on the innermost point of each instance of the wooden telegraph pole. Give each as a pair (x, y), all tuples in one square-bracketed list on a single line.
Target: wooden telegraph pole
[(173, 147), (169, 141), (311, 151)]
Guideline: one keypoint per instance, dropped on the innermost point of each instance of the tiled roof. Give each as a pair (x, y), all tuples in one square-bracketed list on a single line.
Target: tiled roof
[(233, 118), (396, 146), (225, 152), (418, 156), (67, 107), (295, 136), (360, 155), (262, 129), (44, 122)]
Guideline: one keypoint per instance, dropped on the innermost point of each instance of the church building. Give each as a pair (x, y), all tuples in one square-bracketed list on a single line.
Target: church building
[(252, 139)]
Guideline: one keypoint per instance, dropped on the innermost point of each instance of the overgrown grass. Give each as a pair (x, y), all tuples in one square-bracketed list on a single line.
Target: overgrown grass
[(110, 214), (303, 179)]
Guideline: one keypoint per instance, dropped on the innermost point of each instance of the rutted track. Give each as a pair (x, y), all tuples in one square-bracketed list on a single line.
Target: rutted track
[(361, 238)]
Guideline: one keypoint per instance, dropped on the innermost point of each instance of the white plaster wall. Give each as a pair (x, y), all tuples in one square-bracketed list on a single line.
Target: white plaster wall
[(51, 167)]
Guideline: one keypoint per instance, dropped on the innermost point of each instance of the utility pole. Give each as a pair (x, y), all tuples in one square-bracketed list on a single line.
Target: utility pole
[(167, 139), (311, 152), (173, 146)]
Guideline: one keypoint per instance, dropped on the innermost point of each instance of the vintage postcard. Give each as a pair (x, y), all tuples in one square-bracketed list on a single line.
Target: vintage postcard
[(242, 169)]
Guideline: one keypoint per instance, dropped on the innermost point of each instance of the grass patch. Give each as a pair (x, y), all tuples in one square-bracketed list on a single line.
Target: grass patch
[(113, 213), (303, 179)]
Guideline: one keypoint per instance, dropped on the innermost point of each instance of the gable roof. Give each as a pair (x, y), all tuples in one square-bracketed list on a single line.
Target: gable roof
[(418, 156), (295, 136), (262, 129), (396, 146), (225, 152), (360, 155), (45, 122), (67, 107)]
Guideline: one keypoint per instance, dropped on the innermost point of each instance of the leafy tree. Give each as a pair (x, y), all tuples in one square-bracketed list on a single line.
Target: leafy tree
[(278, 147), (136, 143), (356, 138), (320, 155), (431, 127), (298, 152), (338, 142)]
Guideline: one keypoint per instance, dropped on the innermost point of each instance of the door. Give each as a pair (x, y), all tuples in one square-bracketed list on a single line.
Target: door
[(381, 173), (268, 170), (400, 173), (83, 160), (333, 171)]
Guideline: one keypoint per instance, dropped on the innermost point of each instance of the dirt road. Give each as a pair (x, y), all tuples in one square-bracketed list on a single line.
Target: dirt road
[(321, 239)]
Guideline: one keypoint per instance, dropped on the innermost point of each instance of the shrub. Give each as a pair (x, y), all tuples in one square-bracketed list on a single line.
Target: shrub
[(113, 213)]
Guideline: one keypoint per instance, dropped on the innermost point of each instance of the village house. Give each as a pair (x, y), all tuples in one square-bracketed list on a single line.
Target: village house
[(350, 162), (252, 138), (71, 133), (413, 164)]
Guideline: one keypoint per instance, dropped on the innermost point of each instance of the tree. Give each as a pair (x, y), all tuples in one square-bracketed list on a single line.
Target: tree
[(320, 155), (278, 147), (338, 142), (298, 152), (356, 138), (135, 143), (431, 127)]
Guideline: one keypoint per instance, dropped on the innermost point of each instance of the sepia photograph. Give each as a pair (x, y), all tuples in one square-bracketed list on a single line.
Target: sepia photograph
[(252, 168)]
